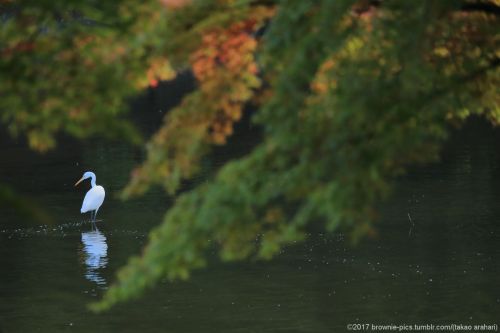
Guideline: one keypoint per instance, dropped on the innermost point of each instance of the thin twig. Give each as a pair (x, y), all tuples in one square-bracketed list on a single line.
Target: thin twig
[(412, 224)]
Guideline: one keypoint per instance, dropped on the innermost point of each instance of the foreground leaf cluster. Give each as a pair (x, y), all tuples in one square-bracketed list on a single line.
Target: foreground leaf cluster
[(354, 94)]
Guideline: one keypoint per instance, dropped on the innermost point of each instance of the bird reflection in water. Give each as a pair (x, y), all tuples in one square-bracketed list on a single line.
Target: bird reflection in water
[(95, 255)]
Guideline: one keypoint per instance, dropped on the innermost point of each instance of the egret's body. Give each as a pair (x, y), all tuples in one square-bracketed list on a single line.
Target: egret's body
[(94, 197)]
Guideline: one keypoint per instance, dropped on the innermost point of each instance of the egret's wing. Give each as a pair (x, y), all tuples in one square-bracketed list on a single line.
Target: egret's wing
[(93, 199)]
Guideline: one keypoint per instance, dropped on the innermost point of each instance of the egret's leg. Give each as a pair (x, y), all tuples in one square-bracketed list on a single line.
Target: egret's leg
[(92, 220), (95, 213)]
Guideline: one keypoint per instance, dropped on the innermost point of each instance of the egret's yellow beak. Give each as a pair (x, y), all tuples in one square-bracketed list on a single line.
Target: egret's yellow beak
[(78, 182)]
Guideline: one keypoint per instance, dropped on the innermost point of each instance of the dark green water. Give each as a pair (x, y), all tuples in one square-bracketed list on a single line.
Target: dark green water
[(441, 268)]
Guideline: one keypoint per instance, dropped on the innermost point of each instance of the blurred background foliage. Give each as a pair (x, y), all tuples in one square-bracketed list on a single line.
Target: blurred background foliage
[(347, 93)]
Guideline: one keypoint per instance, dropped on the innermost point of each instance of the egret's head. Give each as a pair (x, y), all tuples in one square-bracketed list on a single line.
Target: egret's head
[(86, 175)]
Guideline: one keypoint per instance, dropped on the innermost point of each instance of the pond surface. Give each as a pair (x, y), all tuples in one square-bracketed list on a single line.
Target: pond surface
[(436, 258)]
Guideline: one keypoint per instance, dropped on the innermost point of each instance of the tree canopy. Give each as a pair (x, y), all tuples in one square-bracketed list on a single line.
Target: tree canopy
[(348, 95)]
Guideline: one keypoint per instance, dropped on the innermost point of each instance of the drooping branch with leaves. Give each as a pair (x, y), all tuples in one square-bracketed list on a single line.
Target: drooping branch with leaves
[(348, 95)]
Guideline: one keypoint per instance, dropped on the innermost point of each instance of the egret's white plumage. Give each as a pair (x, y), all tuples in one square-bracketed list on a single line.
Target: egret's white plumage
[(94, 197)]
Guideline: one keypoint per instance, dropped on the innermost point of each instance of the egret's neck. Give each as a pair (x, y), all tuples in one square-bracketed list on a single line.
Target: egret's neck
[(92, 180)]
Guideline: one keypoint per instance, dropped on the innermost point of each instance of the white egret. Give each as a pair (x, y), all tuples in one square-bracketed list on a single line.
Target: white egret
[(94, 197)]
